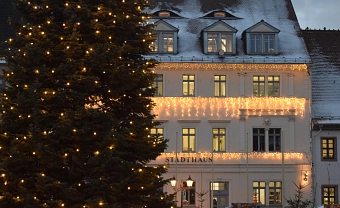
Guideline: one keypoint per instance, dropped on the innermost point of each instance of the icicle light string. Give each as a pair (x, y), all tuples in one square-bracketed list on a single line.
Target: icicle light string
[(226, 107), (235, 155)]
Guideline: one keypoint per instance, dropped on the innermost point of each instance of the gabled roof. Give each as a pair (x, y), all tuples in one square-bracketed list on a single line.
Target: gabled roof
[(220, 26), (324, 49), (262, 26), (164, 26), (227, 15), (171, 13), (279, 14)]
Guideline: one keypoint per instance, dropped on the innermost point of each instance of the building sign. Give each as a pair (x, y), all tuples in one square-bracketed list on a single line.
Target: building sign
[(188, 159)]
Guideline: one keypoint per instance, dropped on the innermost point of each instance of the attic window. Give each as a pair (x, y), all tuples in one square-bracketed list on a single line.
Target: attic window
[(219, 14), (164, 14)]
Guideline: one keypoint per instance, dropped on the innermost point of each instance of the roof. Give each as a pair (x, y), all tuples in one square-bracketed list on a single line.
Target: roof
[(324, 50), (278, 13)]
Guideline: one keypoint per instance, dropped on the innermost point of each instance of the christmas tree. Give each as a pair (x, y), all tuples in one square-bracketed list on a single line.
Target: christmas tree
[(76, 114)]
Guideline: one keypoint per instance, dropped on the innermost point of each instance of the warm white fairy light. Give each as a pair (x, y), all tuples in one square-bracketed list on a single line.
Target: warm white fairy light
[(235, 156), (227, 107), (231, 67)]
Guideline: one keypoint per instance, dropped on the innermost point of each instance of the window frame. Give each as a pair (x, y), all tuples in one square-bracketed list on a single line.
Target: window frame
[(161, 42), (189, 195), (164, 14), (190, 85), (158, 81), (272, 139), (218, 37), (219, 14), (260, 139), (261, 41), (158, 132), (275, 191), (220, 86), (220, 137), (334, 139), (335, 196), (259, 190), (190, 141), (271, 83)]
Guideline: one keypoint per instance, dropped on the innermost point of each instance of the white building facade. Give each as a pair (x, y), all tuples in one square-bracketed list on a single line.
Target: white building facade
[(323, 46), (233, 93)]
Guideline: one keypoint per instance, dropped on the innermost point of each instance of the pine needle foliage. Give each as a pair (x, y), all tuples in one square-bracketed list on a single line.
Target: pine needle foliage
[(77, 110), (298, 201)]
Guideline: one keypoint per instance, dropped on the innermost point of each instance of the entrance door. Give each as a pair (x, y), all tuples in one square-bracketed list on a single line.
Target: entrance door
[(220, 194), (220, 202)]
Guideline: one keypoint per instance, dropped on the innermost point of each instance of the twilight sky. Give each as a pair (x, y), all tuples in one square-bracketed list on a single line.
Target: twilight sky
[(317, 14)]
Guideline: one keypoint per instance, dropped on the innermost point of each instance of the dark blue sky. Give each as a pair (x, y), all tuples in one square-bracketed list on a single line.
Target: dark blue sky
[(317, 14)]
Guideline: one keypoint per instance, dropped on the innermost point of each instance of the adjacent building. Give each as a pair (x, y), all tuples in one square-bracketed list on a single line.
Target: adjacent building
[(323, 47), (233, 96)]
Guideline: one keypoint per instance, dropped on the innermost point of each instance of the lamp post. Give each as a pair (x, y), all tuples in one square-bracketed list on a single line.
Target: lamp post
[(189, 183)]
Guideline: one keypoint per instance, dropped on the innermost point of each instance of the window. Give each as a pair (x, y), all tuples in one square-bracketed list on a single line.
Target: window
[(219, 38), (158, 85), (188, 138), (220, 41), (266, 86), (154, 44), (273, 86), (188, 85), (261, 135), (258, 86), (219, 14), (259, 192), (261, 38), (329, 194), (158, 132), (275, 140), (189, 194), (163, 42), (262, 43), (164, 14), (328, 149), (219, 143), (259, 140), (220, 85), (220, 186), (164, 36), (275, 196), (168, 42)]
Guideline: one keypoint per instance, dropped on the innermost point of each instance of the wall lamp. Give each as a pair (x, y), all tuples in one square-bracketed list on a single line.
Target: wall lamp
[(189, 182), (305, 176)]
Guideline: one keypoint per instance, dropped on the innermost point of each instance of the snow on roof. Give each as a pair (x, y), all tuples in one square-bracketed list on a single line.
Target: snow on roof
[(323, 46), (334, 121), (279, 14)]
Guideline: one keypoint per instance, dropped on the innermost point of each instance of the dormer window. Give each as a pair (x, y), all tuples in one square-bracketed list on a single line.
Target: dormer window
[(220, 41), (261, 38), (262, 43), (219, 14), (163, 42), (164, 14), (219, 38), (165, 38)]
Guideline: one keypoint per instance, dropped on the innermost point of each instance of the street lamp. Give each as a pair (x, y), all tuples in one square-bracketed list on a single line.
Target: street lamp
[(173, 182), (189, 183)]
